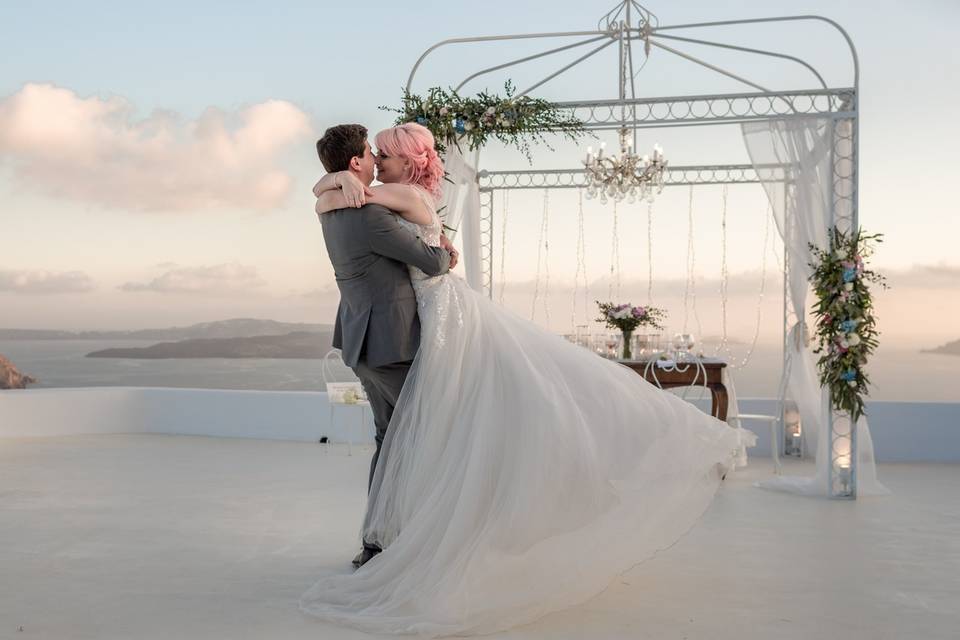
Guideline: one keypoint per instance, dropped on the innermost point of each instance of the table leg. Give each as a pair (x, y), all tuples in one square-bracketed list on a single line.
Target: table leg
[(718, 394)]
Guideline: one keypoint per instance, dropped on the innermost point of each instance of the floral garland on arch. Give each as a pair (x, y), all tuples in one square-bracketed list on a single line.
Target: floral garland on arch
[(514, 121), (846, 327)]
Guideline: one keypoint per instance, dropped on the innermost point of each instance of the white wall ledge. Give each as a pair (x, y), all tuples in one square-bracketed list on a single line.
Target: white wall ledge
[(902, 431), (274, 415)]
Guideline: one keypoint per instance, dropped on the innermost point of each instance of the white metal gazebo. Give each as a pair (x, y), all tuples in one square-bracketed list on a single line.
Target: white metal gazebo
[(803, 144)]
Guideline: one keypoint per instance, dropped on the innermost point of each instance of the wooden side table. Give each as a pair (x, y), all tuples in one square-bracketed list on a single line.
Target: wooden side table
[(705, 372)]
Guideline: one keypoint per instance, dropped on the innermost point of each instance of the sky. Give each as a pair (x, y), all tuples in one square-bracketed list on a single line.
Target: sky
[(156, 160)]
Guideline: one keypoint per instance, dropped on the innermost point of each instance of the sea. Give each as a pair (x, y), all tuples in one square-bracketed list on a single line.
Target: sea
[(897, 374)]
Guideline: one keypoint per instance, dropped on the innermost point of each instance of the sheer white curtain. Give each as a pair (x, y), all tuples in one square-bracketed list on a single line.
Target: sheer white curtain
[(460, 209), (802, 210)]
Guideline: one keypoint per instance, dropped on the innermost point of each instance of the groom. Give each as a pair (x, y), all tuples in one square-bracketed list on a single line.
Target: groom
[(377, 327)]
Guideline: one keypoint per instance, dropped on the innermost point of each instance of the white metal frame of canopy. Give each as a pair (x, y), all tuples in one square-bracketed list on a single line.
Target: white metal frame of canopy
[(630, 23)]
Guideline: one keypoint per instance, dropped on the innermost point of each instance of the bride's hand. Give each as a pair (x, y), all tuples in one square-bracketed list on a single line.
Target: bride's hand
[(354, 192), (448, 247)]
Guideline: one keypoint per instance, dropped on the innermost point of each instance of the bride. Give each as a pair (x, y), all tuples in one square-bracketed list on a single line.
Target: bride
[(521, 473)]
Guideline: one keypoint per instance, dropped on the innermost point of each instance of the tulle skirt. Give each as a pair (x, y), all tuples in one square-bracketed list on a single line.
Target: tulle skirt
[(520, 475)]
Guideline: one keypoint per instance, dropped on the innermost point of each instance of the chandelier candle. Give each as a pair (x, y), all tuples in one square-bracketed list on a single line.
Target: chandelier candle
[(626, 175)]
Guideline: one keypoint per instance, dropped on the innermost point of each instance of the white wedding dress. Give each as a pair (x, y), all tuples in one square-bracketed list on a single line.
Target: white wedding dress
[(520, 475)]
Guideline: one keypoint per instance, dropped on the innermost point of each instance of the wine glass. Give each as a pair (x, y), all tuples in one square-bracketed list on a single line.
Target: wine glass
[(682, 343), (583, 335), (597, 344), (641, 345), (677, 345), (656, 345), (610, 342)]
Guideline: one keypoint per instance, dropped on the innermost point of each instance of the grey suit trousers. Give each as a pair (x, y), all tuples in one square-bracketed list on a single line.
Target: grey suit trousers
[(382, 384)]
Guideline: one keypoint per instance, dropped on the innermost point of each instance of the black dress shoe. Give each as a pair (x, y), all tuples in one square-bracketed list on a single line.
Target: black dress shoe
[(364, 556)]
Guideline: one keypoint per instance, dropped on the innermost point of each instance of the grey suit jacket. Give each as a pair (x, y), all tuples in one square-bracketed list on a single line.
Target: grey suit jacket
[(377, 319)]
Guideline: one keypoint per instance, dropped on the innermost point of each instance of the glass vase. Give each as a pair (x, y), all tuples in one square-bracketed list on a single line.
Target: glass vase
[(626, 345)]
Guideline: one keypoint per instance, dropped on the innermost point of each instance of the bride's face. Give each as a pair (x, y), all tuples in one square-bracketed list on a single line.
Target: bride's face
[(391, 168)]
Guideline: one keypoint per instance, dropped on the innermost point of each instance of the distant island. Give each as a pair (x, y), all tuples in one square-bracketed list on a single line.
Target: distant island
[(950, 349), (298, 344), (233, 328)]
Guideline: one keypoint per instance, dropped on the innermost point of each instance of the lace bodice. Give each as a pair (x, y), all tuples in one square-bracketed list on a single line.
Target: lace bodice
[(429, 233)]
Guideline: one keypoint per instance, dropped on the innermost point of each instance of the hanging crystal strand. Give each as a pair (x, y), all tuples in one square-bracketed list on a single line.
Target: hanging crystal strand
[(724, 275), (540, 245), (649, 252), (774, 244), (614, 259), (763, 285), (503, 245), (546, 254), (691, 292), (581, 265), (586, 281), (686, 284)]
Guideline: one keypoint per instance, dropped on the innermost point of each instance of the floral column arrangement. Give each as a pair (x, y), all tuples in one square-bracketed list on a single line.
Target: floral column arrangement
[(847, 337)]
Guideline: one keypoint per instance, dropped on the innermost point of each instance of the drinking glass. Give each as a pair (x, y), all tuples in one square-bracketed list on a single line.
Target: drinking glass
[(611, 340)]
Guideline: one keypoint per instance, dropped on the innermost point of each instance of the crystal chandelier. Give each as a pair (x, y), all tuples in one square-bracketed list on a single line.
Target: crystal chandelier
[(624, 176)]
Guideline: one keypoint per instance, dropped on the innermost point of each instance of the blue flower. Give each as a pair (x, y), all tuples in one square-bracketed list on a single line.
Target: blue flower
[(849, 275), (421, 120), (848, 326), (459, 125), (848, 375)]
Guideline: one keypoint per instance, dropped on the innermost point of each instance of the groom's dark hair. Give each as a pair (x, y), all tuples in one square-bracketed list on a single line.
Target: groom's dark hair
[(339, 144)]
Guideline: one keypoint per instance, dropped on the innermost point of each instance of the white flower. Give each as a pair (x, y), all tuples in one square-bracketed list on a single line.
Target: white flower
[(844, 343), (468, 126), (851, 383), (853, 339), (491, 110), (623, 313), (848, 286), (444, 111)]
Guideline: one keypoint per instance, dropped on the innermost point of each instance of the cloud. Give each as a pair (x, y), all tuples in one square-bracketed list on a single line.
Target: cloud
[(45, 281), (96, 151), (216, 279)]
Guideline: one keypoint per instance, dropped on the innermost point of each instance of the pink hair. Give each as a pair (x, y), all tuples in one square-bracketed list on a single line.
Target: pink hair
[(415, 143)]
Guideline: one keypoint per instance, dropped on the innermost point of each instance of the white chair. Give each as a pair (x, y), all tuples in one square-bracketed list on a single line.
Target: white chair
[(774, 439), (344, 394)]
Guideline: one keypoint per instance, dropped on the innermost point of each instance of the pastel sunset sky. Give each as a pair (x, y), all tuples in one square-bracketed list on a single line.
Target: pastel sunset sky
[(156, 159)]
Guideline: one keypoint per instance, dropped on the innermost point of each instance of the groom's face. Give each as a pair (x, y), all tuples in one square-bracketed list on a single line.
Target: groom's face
[(363, 165)]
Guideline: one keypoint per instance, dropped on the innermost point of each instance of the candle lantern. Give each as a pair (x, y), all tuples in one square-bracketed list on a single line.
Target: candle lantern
[(843, 447), (792, 430)]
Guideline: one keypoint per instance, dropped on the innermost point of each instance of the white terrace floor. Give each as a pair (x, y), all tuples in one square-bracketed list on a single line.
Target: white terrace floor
[(169, 537)]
